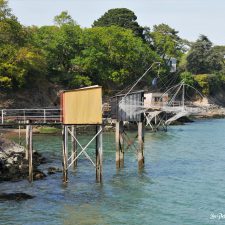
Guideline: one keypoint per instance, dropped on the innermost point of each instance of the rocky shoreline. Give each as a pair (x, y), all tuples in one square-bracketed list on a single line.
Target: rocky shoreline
[(215, 112), (14, 165)]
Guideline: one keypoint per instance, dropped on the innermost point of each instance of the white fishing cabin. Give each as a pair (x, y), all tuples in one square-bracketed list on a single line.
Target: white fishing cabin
[(156, 99)]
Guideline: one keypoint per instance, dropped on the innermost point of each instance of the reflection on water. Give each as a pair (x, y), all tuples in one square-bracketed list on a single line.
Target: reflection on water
[(183, 182)]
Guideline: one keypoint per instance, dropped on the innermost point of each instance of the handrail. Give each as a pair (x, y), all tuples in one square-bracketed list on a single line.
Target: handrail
[(37, 114)]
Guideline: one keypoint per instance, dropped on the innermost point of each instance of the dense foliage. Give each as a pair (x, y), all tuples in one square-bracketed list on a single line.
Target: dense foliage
[(20, 62), (114, 53), (206, 65), (121, 17)]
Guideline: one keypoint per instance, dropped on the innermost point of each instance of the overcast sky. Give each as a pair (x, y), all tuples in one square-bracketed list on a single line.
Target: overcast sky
[(190, 17)]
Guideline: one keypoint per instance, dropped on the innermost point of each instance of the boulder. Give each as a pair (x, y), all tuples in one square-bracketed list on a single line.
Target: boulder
[(13, 165), (15, 196)]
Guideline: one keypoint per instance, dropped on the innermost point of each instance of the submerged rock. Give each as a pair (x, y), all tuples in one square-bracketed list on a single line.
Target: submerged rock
[(53, 170), (38, 175), (15, 196)]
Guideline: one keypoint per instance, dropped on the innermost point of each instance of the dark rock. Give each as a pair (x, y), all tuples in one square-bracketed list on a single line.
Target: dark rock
[(38, 175), (15, 196), (38, 159), (53, 170), (185, 119)]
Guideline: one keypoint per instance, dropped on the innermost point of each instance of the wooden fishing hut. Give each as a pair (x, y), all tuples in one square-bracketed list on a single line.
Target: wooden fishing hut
[(81, 107), (155, 99), (128, 108)]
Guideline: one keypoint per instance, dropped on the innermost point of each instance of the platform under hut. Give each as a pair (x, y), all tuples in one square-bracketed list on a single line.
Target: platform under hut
[(128, 108)]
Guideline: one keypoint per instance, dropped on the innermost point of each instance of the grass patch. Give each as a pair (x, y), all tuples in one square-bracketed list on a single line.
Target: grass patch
[(48, 130)]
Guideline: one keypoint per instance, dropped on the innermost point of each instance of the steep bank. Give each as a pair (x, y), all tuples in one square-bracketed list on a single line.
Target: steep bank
[(44, 95)]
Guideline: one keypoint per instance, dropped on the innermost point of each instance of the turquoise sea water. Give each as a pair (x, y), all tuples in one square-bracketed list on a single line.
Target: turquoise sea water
[(183, 182)]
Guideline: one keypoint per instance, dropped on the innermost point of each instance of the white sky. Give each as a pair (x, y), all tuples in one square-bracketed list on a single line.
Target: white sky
[(190, 17)]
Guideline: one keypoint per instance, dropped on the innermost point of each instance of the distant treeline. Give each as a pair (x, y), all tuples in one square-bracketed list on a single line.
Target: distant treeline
[(113, 53)]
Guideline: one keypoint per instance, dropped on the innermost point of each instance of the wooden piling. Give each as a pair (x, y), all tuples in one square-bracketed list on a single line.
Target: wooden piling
[(65, 153), (19, 134), (30, 152), (73, 147), (27, 140), (141, 145), (119, 145), (99, 154)]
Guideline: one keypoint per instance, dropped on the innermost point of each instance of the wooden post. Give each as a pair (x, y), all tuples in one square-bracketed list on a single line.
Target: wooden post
[(99, 154), (141, 145), (44, 115), (2, 116), (19, 134), (30, 153), (27, 139), (65, 153), (119, 145), (74, 146), (155, 120)]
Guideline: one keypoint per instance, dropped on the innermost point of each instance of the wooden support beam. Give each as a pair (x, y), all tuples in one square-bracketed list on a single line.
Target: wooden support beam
[(99, 154), (119, 145), (65, 153), (30, 152), (19, 134), (74, 147), (141, 145), (27, 141)]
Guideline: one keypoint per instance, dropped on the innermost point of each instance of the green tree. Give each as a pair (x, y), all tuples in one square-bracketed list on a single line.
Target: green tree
[(11, 31), (166, 42), (121, 17), (20, 62), (208, 84), (113, 56), (203, 58), (63, 18), (217, 59), (20, 67), (58, 43), (187, 78), (5, 11)]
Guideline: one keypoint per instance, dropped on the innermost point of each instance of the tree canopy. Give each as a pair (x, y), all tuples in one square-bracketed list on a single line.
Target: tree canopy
[(19, 62), (121, 17), (113, 53), (202, 57), (63, 18), (113, 56), (166, 42)]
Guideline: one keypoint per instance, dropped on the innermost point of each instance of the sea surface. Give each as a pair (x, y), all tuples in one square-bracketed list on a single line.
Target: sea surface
[(183, 182)]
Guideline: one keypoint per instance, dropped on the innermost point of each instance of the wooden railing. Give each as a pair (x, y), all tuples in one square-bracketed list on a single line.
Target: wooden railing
[(43, 115)]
